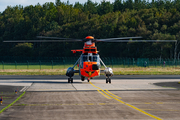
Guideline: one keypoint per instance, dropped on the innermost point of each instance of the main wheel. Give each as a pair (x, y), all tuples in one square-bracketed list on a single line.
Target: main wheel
[(82, 78), (88, 79), (107, 80), (71, 80)]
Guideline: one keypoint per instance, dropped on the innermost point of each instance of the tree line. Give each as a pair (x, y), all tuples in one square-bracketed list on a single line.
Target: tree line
[(156, 20)]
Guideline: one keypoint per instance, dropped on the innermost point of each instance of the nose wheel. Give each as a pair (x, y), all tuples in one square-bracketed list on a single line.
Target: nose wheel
[(108, 80), (70, 80), (88, 79)]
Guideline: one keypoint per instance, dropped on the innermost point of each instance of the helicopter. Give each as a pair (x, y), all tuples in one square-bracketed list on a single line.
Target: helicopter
[(89, 62)]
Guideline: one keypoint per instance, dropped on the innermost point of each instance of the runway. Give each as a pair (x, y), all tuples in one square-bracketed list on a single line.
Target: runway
[(59, 83), (51, 97)]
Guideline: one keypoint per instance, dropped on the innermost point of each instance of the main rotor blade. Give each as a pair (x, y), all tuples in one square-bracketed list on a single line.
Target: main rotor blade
[(121, 38), (58, 38), (141, 41), (43, 41)]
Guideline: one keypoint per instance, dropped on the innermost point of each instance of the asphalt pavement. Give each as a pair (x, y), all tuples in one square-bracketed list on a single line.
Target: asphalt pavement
[(130, 97)]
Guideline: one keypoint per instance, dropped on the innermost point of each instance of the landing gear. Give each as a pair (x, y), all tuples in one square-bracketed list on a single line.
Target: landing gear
[(70, 80), (82, 78), (108, 80), (88, 79)]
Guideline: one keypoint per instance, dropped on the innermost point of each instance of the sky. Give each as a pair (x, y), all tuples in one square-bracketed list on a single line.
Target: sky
[(12, 3)]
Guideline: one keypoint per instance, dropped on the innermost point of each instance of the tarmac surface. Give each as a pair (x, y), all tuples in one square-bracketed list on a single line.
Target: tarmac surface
[(51, 98)]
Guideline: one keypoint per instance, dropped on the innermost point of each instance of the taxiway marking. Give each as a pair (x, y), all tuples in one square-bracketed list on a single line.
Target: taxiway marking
[(157, 118), (12, 103), (67, 104), (101, 104), (113, 94), (103, 94)]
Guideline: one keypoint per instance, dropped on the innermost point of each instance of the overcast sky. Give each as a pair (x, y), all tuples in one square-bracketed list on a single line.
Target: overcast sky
[(5, 3)]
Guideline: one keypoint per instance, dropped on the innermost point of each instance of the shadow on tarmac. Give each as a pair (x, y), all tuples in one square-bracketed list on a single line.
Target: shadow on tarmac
[(169, 84)]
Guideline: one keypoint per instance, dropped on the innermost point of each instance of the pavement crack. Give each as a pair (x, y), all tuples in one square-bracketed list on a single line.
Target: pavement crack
[(74, 87)]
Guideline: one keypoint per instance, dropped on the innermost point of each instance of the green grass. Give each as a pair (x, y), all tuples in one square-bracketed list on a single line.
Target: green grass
[(57, 69), (33, 72), (33, 66), (116, 71), (65, 66)]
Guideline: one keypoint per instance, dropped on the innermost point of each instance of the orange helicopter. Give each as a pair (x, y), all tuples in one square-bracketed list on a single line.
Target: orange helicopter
[(89, 62)]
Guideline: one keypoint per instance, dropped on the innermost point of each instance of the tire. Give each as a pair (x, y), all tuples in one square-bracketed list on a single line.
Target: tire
[(82, 78), (109, 80), (71, 80)]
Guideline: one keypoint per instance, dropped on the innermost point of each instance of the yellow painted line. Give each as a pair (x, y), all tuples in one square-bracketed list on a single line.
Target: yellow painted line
[(102, 104), (100, 89), (160, 110), (128, 104), (86, 104), (12, 102), (114, 95), (103, 94), (159, 103), (67, 104)]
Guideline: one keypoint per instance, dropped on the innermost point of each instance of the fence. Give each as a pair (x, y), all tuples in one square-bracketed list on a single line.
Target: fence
[(65, 62)]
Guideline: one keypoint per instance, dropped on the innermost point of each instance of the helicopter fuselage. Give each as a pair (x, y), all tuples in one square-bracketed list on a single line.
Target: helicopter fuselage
[(89, 65), (89, 62)]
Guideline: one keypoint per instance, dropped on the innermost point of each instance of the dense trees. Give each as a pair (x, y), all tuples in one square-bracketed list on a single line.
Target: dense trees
[(159, 20)]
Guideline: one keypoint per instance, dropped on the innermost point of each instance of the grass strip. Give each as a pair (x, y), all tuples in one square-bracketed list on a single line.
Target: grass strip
[(116, 71), (12, 103)]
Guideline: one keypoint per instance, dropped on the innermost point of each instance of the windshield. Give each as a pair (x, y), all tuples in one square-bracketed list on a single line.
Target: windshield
[(86, 58), (93, 58)]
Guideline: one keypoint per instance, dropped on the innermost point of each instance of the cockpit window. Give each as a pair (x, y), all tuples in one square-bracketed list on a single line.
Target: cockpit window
[(93, 58), (85, 58), (89, 58)]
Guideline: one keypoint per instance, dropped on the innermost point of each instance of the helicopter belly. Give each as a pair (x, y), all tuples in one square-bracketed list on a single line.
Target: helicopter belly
[(89, 71), (89, 74)]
